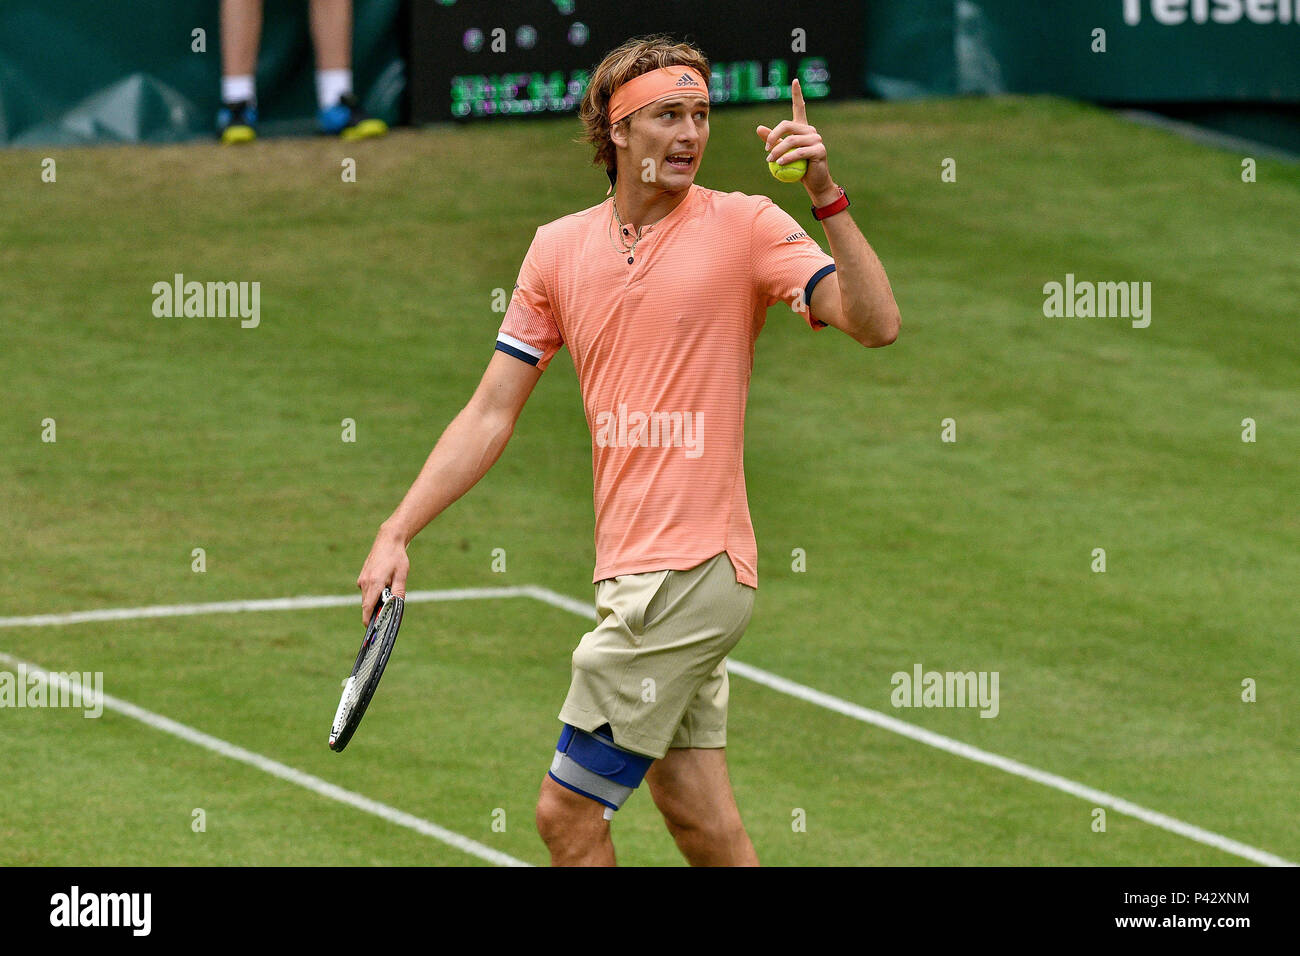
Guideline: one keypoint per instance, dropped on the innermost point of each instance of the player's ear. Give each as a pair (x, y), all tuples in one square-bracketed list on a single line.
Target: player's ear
[(618, 133)]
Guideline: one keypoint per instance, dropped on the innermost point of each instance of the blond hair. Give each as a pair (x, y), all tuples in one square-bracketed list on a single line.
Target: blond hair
[(625, 62)]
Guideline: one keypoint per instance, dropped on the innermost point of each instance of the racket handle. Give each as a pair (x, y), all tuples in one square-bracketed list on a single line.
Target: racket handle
[(384, 598)]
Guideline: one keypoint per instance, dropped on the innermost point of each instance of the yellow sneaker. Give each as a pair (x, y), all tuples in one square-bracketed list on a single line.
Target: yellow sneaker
[(365, 129), (348, 120), (237, 123)]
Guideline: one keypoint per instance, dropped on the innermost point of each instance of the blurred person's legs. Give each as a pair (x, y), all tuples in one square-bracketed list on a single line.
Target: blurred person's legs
[(340, 111), (241, 33), (331, 32)]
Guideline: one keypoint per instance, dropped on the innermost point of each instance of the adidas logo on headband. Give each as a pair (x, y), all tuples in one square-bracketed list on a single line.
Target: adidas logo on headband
[(687, 80)]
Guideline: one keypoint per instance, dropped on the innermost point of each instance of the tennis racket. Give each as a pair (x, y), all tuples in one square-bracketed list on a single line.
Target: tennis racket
[(371, 661)]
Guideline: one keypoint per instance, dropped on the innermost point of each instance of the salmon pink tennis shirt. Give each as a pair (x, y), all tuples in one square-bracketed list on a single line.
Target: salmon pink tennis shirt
[(662, 339)]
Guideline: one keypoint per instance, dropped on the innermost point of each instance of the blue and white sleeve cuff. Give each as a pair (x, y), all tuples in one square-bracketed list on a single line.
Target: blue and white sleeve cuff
[(520, 350)]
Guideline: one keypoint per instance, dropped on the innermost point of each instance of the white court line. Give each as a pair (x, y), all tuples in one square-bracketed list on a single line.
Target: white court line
[(232, 607), (767, 679), (283, 771), (959, 749)]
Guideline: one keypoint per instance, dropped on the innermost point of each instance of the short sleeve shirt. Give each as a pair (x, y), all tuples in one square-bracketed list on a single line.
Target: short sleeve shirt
[(662, 339)]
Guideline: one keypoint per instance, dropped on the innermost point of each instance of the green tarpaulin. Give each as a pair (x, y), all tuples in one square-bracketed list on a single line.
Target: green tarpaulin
[(79, 71)]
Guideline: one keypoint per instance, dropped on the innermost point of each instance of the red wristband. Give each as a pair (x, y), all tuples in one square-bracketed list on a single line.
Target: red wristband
[(831, 208)]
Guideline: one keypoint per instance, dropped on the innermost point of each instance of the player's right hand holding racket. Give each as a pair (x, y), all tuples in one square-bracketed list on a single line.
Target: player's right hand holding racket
[(359, 688), (386, 567)]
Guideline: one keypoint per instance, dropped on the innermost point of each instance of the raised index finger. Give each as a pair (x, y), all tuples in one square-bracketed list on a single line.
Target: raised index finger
[(796, 99)]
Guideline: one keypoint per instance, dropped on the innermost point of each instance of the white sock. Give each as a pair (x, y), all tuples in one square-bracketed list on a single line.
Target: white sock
[(238, 89), (331, 85)]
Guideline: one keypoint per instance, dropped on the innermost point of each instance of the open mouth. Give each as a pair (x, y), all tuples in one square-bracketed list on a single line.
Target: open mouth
[(681, 160)]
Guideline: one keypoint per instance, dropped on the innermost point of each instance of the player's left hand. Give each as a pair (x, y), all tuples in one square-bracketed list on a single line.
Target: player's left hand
[(801, 142)]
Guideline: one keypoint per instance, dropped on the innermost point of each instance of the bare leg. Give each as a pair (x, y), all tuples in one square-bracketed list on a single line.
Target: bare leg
[(573, 827), (331, 33), (692, 790), (241, 33)]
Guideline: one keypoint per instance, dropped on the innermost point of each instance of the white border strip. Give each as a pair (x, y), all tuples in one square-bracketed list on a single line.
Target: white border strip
[(283, 771), (1206, 136), (584, 609)]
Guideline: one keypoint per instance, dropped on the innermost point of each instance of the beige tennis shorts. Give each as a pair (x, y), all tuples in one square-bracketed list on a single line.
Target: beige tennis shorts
[(655, 667)]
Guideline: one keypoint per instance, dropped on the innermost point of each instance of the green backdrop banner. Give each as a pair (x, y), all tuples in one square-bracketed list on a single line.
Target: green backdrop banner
[(1148, 51), (87, 71)]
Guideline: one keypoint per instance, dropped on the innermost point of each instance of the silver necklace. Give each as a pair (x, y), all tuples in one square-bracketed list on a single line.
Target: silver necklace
[(629, 251)]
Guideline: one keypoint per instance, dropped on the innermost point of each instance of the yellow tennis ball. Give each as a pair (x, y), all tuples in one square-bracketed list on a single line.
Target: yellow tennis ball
[(790, 172)]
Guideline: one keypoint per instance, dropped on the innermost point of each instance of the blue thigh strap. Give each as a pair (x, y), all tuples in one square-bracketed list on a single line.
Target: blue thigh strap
[(593, 765)]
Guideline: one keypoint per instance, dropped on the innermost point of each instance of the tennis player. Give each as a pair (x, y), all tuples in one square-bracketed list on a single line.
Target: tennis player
[(659, 292)]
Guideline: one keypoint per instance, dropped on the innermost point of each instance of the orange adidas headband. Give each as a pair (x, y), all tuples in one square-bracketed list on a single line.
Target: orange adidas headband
[(656, 85)]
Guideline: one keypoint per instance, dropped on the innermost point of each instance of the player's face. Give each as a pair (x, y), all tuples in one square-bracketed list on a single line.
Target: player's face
[(673, 134)]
